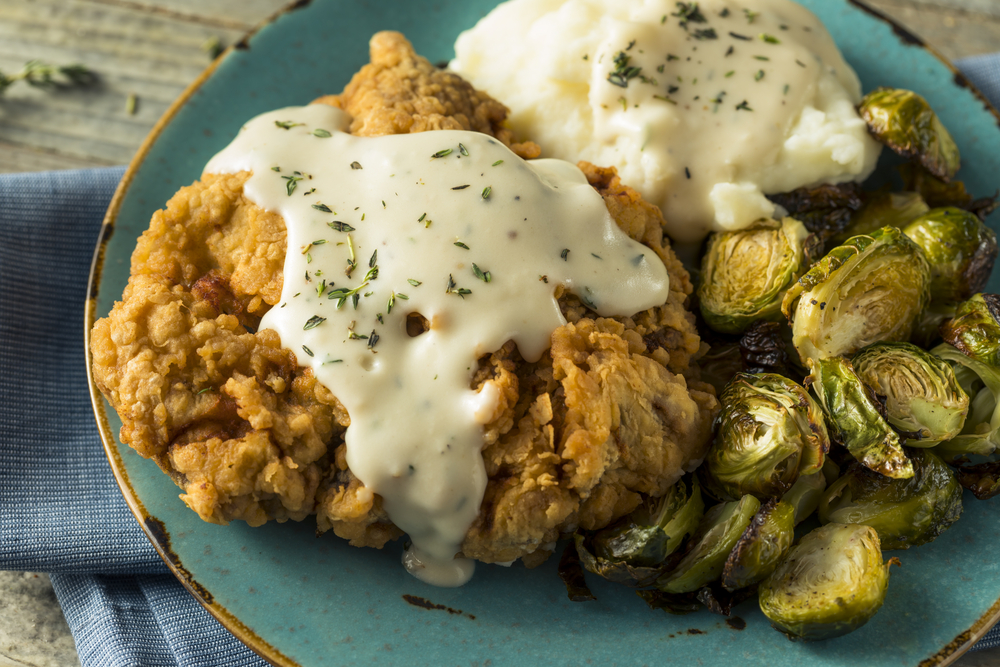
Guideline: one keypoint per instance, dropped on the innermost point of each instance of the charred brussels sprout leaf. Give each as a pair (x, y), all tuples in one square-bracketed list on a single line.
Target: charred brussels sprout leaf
[(906, 124), (975, 329), (763, 544), (960, 248), (635, 551), (981, 433), (885, 209), (716, 599), (571, 573), (922, 395), (763, 349), (769, 432), (983, 479), (905, 512), (830, 583), (869, 289), (722, 361), (938, 194), (715, 538), (744, 274), (825, 210), (851, 409)]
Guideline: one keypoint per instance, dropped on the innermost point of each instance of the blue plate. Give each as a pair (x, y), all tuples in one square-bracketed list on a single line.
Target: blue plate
[(301, 600)]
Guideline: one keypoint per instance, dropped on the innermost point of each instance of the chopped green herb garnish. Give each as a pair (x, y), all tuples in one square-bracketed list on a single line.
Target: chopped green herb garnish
[(482, 275), (322, 207), (287, 124), (313, 322), (759, 75), (565, 254), (421, 218), (293, 182), (761, 58), (307, 351), (462, 150), (768, 38), (321, 133), (413, 282), (443, 153), (462, 187), (486, 191), (372, 339), (356, 165), (374, 259), (339, 226), (750, 15), (743, 106), (275, 168), (623, 72), (498, 162), (461, 245)]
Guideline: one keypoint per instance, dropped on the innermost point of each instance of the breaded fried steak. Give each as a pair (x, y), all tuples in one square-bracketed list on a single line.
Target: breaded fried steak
[(605, 416)]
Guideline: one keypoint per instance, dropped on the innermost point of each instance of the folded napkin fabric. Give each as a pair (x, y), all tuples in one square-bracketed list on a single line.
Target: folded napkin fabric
[(62, 511)]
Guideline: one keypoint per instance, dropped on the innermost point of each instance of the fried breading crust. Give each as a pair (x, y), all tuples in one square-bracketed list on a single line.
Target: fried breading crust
[(399, 92), (606, 415)]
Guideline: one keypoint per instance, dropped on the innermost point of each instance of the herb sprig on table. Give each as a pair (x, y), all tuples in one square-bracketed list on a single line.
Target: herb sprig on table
[(43, 75)]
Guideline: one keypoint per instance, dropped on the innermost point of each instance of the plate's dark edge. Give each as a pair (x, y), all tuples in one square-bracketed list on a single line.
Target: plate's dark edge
[(967, 638), (151, 526), (909, 39)]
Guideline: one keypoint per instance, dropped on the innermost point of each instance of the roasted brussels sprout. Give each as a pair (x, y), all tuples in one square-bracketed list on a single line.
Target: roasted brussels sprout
[(851, 409), (770, 431), (960, 248), (744, 273), (635, 551), (981, 433), (885, 209), (905, 512), (904, 122), (922, 395), (763, 544), (937, 193), (717, 534), (805, 494), (869, 289), (975, 329), (830, 583), (927, 328)]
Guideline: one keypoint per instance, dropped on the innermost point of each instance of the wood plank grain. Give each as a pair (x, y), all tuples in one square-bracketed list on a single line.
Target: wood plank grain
[(954, 28), (153, 55)]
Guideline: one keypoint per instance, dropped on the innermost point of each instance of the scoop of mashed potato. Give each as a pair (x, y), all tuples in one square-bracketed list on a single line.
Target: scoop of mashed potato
[(703, 107)]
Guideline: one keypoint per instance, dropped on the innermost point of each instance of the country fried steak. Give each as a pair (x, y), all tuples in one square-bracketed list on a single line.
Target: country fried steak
[(611, 413)]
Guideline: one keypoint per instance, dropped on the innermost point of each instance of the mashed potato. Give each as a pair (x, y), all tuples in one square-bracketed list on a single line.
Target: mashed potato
[(702, 107)]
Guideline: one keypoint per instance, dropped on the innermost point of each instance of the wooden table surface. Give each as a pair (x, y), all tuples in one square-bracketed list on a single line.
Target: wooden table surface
[(149, 51)]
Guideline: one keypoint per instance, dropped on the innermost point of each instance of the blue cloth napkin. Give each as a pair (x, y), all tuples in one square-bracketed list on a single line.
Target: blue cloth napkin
[(62, 512)]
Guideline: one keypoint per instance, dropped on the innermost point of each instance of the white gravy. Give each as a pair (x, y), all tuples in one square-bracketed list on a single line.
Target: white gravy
[(453, 226)]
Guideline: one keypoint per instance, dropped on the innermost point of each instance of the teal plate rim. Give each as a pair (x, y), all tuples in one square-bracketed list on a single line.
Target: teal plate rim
[(200, 574)]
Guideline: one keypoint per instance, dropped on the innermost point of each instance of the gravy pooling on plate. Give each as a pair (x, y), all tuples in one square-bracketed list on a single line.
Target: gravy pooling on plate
[(409, 257)]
